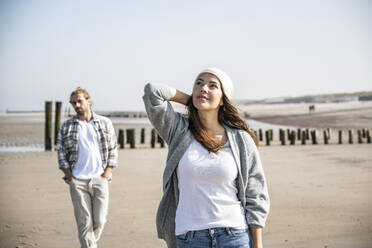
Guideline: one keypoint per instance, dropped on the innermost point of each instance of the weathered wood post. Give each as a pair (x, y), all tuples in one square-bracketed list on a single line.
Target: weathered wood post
[(132, 138), (307, 134), (360, 141), (153, 139), (350, 137), (127, 136), (288, 134), (160, 141), (267, 136), (282, 136), (121, 138), (303, 137), (368, 137), (325, 134), (292, 137), (340, 137), (57, 120), (48, 126), (363, 133), (260, 134), (142, 135), (271, 134), (298, 133), (313, 137)]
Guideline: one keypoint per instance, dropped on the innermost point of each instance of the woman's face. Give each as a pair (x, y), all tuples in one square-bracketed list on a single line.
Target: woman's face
[(207, 93)]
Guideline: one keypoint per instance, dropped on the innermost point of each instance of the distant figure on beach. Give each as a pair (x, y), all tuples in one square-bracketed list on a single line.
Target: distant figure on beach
[(87, 153), (311, 108), (214, 187)]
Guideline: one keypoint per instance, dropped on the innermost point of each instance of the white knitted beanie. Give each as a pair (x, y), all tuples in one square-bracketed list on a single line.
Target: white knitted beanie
[(225, 80)]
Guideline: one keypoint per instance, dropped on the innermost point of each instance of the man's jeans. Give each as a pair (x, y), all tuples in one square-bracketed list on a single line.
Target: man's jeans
[(215, 238), (90, 200)]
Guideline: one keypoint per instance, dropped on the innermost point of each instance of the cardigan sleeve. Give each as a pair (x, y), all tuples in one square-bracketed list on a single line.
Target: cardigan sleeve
[(160, 111), (257, 197)]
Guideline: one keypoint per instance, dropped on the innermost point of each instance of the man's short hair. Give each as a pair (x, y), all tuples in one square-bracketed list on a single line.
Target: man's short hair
[(80, 91)]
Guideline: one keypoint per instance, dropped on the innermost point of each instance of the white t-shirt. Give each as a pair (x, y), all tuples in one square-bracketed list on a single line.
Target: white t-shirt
[(89, 162), (207, 190)]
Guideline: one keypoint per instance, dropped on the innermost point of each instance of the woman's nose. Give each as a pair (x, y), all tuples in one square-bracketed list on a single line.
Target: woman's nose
[(204, 87)]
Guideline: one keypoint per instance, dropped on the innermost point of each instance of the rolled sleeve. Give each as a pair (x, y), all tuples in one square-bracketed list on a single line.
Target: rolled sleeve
[(160, 111), (112, 158), (62, 161)]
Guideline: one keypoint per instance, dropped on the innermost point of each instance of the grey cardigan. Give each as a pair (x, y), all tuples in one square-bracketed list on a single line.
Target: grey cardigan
[(173, 127)]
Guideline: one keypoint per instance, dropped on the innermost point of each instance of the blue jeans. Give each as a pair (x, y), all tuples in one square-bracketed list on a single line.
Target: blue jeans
[(220, 237)]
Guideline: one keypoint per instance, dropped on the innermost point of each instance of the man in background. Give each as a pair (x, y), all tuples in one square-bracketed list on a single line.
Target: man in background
[(87, 153)]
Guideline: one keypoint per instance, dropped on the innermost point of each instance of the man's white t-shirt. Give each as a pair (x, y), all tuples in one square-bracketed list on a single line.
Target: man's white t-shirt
[(89, 162)]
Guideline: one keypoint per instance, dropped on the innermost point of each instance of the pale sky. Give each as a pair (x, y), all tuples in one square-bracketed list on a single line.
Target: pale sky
[(112, 48)]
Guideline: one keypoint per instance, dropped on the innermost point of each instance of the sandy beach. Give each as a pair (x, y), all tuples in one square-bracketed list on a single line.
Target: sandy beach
[(320, 198), (320, 194)]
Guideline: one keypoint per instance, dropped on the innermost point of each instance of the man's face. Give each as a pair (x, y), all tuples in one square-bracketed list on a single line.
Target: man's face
[(80, 104)]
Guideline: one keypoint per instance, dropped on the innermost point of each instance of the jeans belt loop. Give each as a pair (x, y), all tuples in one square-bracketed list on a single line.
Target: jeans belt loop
[(192, 234), (228, 230)]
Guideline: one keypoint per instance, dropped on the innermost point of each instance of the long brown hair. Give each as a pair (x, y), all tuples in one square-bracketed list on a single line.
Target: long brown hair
[(227, 115)]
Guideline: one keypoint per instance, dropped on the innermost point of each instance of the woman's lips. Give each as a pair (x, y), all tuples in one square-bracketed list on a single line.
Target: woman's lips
[(203, 98)]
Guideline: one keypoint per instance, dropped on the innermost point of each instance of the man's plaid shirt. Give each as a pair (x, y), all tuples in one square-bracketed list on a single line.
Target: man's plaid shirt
[(67, 142)]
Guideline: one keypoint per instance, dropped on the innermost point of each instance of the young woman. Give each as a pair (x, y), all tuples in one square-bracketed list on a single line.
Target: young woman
[(215, 191)]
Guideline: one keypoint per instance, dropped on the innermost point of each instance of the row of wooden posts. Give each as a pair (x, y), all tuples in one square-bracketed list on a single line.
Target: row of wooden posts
[(301, 135), (363, 135), (131, 138), (130, 133), (291, 135)]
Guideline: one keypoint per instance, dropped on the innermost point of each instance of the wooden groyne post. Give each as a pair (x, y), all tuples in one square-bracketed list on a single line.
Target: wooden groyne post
[(48, 126), (325, 134), (303, 138), (57, 120), (293, 137), (142, 136), (360, 140), (131, 137), (153, 138), (267, 136), (313, 137), (160, 141), (282, 136), (299, 134), (121, 138), (350, 137), (368, 137), (340, 137)]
